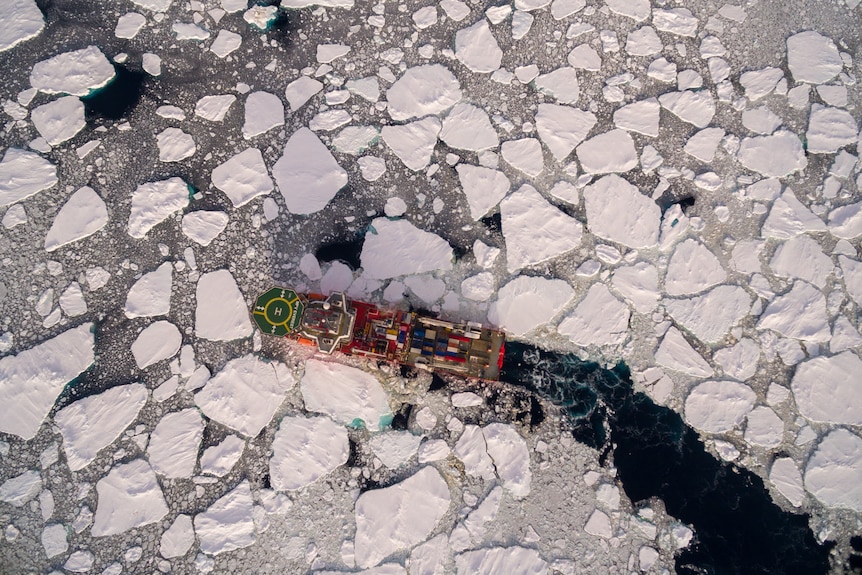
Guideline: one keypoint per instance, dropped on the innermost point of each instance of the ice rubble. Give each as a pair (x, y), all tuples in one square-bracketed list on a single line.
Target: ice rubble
[(305, 449), (84, 214), (307, 174)]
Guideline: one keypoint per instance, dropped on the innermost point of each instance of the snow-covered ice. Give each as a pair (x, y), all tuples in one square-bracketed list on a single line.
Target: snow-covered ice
[(561, 128), (263, 112), (305, 449), (484, 188), (599, 319), (834, 472), (467, 127), (477, 49), (94, 422), (527, 302), (422, 90), (800, 313), (204, 226), (23, 174), (619, 212), (396, 247), (612, 151), (344, 393), (717, 406), (813, 58), (413, 143), (227, 524), (22, 20), (83, 214), (221, 313), (159, 340), (129, 496), (491, 560), (151, 294), (307, 174), (174, 443), (178, 538), (243, 177), (153, 202), (76, 73), (825, 389), (59, 120)]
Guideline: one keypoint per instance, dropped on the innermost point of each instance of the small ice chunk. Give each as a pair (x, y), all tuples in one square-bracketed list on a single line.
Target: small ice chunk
[(641, 117), (785, 476), (813, 58), (23, 174), (77, 73), (221, 313), (535, 230), (825, 389), (396, 248), (305, 449), (477, 49), (468, 128), (717, 406), (81, 216), (830, 129), (612, 151), (307, 173), (243, 177), (263, 112), (178, 538), (599, 319), (59, 120), (527, 302), (129, 497), (54, 540), (800, 314), (227, 524), (153, 202), (214, 108), (413, 143), (561, 128), (676, 354), (422, 90)]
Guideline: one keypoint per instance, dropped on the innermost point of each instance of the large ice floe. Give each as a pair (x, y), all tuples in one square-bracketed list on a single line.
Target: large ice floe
[(669, 190)]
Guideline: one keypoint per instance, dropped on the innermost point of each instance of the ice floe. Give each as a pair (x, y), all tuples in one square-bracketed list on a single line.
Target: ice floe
[(174, 443), (561, 128), (413, 143), (675, 353), (129, 496), (344, 393), (477, 49), (800, 314), (396, 247), (204, 226), (151, 294), (23, 174), (227, 524), (711, 315), (612, 151), (527, 302), (83, 214), (813, 58), (830, 129), (696, 108), (158, 341), (641, 117), (468, 127), (692, 268), (153, 202), (20, 489), (488, 561), (94, 422), (834, 472), (789, 218), (305, 449), (484, 188), (221, 313), (524, 155), (825, 389), (777, 155), (422, 90), (599, 319), (22, 20), (717, 406), (178, 538), (243, 177), (263, 112), (307, 174), (214, 108), (31, 380), (618, 211), (785, 476), (59, 120), (76, 73), (219, 459)]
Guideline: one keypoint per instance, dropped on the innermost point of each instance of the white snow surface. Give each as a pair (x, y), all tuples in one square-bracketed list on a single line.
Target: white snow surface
[(227, 524), (151, 294), (612, 151), (827, 389), (305, 449), (800, 314), (813, 58), (785, 476), (263, 112), (511, 457), (641, 117), (527, 302), (243, 177), (245, 394), (525, 155), (22, 20), (834, 472), (789, 218), (484, 188), (395, 448), (395, 518), (535, 231), (696, 108), (90, 424), (219, 459), (717, 406), (23, 174), (221, 313), (344, 393), (174, 443), (422, 90), (560, 84), (467, 127), (307, 173), (477, 49), (20, 489), (31, 380), (413, 143), (692, 269), (129, 496), (153, 202), (60, 119), (802, 258), (397, 247), (675, 353), (638, 284), (159, 340), (214, 108), (175, 145), (76, 73), (204, 226), (599, 319), (83, 214), (619, 212), (301, 90), (829, 129), (777, 155), (711, 315), (493, 560), (178, 538), (561, 128)]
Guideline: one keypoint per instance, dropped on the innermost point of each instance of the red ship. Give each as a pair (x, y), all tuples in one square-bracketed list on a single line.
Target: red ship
[(338, 324)]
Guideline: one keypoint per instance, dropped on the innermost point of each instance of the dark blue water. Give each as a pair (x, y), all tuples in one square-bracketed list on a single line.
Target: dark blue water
[(739, 530)]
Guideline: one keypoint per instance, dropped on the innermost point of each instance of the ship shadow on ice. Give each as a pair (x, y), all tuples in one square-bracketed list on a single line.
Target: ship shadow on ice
[(739, 530)]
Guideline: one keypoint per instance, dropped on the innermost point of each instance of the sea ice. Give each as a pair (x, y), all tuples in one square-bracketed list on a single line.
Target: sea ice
[(468, 127), (524, 155), (827, 389), (153, 202), (802, 258), (154, 5), (76, 73), (221, 313), (702, 145), (214, 108), (225, 43), (778, 155), (740, 360), (846, 222), (396, 247), (305, 449), (327, 53), (477, 49), (174, 443), (711, 315), (643, 42), (413, 143), (245, 394), (22, 20), (422, 90), (852, 271), (761, 120), (759, 83), (511, 458), (679, 21), (227, 524), (178, 538), (398, 517), (83, 214), (151, 295), (219, 459), (59, 120), (395, 448), (23, 174), (612, 151), (484, 188), (18, 490), (829, 130), (800, 314), (764, 427), (844, 335), (344, 393), (189, 31), (638, 10), (617, 211), (54, 540), (527, 302), (696, 108), (535, 230), (599, 319), (692, 268), (638, 284), (834, 473), (31, 380), (493, 560), (718, 406), (676, 354), (263, 112), (92, 423), (785, 476), (307, 173), (789, 218), (561, 84), (158, 341), (585, 57), (641, 117), (243, 177), (813, 58), (204, 226), (301, 90), (561, 128), (129, 496)]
